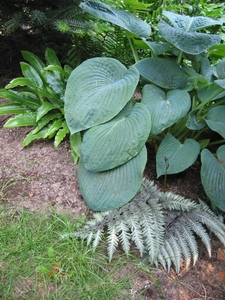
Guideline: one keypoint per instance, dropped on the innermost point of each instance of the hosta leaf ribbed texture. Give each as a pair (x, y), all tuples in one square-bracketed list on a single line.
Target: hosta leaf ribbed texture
[(193, 123), (111, 189), (112, 144), (211, 91), (173, 157), (220, 69), (220, 83), (164, 73), (157, 49), (191, 24), (119, 17), (96, 91), (215, 119), (189, 42), (213, 176), (207, 70), (165, 108)]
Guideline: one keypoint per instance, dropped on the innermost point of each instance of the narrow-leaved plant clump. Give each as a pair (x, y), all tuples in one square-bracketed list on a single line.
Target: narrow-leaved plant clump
[(37, 100)]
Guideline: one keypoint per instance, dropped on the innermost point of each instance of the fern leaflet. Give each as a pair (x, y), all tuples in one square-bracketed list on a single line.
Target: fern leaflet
[(163, 227)]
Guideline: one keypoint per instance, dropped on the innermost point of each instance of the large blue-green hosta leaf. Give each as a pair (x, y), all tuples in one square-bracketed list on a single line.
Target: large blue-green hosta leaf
[(157, 49), (188, 42), (220, 82), (220, 69), (97, 90), (191, 24), (207, 70), (121, 18), (213, 176), (173, 157), (111, 189), (193, 123), (211, 92), (215, 119), (165, 108), (112, 144), (163, 72)]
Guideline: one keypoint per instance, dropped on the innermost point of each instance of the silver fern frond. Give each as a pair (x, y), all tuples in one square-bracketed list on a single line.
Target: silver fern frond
[(112, 240), (162, 226), (152, 226), (210, 220), (97, 238), (137, 234), (199, 230), (124, 235), (172, 201), (184, 248)]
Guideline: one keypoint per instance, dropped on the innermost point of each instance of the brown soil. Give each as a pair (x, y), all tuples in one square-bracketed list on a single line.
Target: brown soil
[(40, 178)]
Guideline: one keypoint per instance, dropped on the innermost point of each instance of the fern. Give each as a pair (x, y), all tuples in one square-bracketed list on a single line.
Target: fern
[(38, 17), (13, 24), (163, 227)]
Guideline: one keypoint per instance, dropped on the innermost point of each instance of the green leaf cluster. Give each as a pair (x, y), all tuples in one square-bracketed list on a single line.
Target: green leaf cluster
[(182, 88), (37, 98), (99, 104), (162, 226)]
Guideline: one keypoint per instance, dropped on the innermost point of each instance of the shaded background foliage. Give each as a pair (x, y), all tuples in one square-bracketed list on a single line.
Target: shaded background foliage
[(31, 25), (61, 25), (34, 25)]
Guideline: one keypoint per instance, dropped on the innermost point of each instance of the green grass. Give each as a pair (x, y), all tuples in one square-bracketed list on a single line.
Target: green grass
[(35, 263)]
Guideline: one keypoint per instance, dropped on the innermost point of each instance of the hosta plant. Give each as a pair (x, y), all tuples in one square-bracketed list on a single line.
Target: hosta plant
[(183, 89), (162, 226), (37, 100), (99, 104)]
